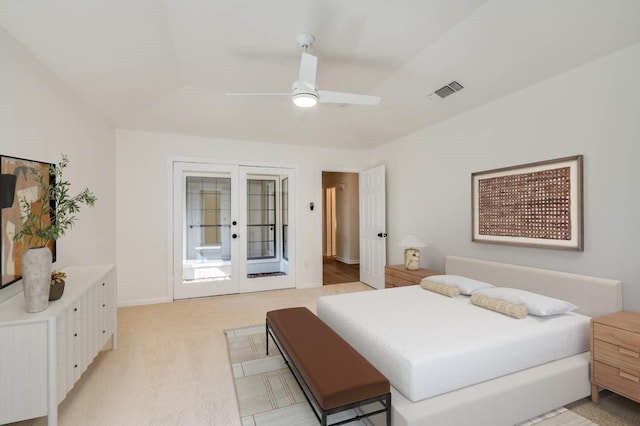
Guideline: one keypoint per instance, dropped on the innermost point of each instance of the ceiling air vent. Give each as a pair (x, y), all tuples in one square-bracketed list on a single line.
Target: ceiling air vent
[(449, 89)]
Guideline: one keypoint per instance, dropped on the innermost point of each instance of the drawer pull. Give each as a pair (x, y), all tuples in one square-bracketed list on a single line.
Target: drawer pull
[(630, 377), (624, 351)]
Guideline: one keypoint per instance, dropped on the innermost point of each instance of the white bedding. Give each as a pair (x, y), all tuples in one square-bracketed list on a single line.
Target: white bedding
[(428, 344)]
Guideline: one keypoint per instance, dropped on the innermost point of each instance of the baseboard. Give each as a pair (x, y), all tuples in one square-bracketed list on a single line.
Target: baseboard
[(122, 304), (348, 261)]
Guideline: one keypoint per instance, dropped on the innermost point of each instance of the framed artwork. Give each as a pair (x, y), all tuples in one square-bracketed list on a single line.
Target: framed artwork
[(16, 183), (536, 204)]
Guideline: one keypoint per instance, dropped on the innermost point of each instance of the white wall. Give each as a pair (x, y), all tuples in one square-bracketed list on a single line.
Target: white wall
[(143, 194), (592, 110), (40, 119)]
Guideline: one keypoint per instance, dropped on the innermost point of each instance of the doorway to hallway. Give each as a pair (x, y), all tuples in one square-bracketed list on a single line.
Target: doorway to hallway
[(340, 228)]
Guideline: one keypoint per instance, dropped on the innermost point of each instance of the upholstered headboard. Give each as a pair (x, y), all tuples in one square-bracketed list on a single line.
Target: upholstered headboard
[(593, 296)]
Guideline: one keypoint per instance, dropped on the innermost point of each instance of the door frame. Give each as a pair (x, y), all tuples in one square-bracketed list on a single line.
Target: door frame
[(321, 220), (331, 169), (169, 182)]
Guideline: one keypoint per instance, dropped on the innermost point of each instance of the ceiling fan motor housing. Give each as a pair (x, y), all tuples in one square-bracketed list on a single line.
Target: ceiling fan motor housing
[(303, 95)]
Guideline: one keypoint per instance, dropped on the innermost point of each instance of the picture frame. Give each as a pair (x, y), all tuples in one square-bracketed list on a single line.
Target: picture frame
[(16, 182), (534, 205)]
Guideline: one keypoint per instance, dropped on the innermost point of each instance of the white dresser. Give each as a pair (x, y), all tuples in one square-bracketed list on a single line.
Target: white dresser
[(42, 355)]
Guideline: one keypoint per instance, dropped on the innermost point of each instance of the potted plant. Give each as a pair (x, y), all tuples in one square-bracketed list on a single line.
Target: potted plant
[(45, 219)]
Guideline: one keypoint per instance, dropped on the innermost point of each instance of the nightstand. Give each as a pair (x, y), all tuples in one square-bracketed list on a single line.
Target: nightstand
[(615, 354), (398, 275)]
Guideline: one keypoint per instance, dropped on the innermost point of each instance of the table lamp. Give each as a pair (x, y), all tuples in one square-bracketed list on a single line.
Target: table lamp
[(411, 252)]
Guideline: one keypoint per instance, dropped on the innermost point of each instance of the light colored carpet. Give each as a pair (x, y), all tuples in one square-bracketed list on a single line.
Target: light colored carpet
[(268, 394)]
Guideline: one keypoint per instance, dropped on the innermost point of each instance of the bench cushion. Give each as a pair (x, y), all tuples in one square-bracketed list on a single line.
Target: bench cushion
[(334, 372)]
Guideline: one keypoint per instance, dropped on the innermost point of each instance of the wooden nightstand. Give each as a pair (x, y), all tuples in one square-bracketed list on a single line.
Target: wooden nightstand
[(398, 275), (615, 354)]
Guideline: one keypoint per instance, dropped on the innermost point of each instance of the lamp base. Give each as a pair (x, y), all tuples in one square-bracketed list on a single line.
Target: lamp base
[(412, 259)]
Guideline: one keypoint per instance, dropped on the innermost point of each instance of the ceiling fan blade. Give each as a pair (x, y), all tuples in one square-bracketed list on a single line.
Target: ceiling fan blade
[(259, 94), (326, 96), (308, 66)]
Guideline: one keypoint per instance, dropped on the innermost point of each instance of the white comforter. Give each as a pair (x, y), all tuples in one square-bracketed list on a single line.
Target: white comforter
[(427, 344)]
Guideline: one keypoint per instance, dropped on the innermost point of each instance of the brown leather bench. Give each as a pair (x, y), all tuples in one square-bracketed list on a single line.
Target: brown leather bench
[(327, 368)]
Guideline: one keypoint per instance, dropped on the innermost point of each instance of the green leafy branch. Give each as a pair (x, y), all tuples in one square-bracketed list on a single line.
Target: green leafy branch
[(58, 211)]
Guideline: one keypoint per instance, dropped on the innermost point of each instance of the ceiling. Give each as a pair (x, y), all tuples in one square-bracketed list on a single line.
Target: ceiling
[(166, 65)]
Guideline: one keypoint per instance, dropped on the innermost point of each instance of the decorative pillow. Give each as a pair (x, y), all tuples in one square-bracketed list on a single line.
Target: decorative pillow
[(507, 308), (536, 304), (447, 290), (466, 285)]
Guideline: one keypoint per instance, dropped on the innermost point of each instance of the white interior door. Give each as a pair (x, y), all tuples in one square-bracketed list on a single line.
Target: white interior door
[(267, 244), (373, 241), (205, 230)]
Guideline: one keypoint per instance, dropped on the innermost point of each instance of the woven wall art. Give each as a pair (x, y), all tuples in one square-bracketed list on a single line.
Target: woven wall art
[(537, 204)]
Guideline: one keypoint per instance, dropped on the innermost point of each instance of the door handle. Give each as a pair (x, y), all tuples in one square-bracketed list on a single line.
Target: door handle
[(382, 234), (234, 236)]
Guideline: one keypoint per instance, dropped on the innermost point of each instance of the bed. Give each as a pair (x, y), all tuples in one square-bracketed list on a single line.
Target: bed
[(435, 382)]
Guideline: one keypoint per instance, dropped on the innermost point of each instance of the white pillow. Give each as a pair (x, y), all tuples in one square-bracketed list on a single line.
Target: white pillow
[(466, 285), (536, 304)]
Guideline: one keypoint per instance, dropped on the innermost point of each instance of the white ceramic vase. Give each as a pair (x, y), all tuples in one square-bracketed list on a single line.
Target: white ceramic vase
[(36, 278)]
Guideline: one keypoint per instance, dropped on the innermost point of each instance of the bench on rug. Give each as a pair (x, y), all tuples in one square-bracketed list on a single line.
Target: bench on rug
[(326, 367)]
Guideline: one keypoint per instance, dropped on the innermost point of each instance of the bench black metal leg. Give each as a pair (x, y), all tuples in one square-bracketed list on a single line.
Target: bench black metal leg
[(266, 332), (388, 405)]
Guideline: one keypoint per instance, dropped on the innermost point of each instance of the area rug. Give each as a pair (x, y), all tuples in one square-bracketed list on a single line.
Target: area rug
[(268, 394)]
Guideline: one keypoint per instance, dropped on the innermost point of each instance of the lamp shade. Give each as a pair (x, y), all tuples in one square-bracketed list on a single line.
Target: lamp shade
[(411, 241)]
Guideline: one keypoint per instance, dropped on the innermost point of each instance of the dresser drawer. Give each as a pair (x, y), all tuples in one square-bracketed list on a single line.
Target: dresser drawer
[(401, 281), (388, 280), (625, 383), (392, 281), (399, 276), (406, 278), (617, 336), (616, 356)]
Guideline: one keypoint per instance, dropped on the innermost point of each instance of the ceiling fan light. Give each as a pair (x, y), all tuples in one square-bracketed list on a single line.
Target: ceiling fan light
[(305, 100)]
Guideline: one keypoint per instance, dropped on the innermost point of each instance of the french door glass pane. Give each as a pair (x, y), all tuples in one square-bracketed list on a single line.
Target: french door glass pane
[(261, 218), (266, 217), (208, 219)]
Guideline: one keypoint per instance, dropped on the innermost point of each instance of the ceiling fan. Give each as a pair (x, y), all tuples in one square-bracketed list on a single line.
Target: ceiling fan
[(304, 92)]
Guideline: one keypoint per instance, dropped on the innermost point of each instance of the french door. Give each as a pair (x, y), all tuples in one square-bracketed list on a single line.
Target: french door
[(232, 229)]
